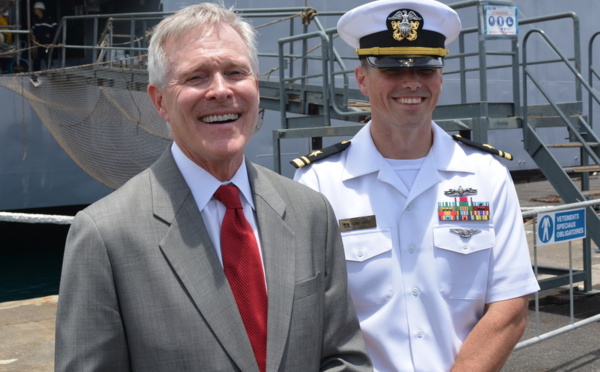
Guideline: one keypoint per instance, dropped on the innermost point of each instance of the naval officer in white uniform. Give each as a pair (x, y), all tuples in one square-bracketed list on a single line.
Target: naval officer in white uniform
[(437, 257)]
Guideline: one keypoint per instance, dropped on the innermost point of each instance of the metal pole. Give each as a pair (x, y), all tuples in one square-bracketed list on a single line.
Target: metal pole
[(29, 38)]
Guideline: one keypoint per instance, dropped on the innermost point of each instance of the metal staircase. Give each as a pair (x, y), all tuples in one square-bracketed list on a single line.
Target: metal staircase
[(580, 136)]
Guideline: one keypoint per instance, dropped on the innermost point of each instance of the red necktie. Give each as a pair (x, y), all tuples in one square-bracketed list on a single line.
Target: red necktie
[(244, 271)]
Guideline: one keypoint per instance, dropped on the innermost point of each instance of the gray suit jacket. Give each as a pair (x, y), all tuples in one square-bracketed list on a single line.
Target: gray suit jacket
[(143, 289)]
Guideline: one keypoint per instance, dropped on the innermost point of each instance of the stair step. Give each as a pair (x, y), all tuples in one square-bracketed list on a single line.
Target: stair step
[(361, 105), (583, 168), (591, 193), (309, 121), (573, 144)]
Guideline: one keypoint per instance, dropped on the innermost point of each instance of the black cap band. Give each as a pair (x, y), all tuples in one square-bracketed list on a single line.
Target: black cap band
[(384, 39)]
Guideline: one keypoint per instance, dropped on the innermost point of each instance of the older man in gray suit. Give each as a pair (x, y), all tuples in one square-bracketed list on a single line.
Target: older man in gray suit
[(147, 283)]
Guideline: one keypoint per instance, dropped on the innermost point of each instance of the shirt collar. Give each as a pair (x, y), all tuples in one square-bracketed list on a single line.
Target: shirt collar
[(203, 184), (448, 155), (364, 158)]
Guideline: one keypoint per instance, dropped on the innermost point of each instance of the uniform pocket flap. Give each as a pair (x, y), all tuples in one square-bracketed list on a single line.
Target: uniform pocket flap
[(463, 240), (361, 246)]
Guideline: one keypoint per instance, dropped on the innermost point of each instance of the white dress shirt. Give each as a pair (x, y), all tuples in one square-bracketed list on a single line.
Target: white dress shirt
[(203, 186)]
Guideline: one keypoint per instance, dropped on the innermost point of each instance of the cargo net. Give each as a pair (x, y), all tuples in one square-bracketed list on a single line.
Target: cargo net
[(99, 114)]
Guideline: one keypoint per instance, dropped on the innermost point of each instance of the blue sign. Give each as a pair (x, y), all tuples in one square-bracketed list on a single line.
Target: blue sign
[(556, 227)]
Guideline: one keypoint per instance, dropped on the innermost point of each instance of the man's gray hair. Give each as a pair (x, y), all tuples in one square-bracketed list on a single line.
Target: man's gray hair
[(190, 19)]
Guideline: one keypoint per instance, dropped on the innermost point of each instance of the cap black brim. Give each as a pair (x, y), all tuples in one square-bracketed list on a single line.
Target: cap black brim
[(405, 61)]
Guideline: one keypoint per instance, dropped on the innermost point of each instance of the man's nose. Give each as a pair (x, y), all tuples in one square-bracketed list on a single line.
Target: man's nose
[(219, 88), (411, 80)]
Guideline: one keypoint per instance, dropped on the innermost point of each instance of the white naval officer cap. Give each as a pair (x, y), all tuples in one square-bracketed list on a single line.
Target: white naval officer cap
[(400, 33)]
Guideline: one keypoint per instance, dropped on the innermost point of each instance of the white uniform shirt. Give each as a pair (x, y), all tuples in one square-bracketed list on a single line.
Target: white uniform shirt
[(418, 287)]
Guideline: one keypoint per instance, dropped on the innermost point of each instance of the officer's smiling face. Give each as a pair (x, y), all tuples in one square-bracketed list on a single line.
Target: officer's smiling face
[(401, 97)]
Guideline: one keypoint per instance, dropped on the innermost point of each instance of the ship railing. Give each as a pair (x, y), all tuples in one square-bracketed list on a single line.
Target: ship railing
[(593, 75), (547, 282), (133, 27)]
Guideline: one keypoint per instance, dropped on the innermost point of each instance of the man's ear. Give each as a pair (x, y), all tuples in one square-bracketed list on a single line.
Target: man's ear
[(359, 73), (157, 98)]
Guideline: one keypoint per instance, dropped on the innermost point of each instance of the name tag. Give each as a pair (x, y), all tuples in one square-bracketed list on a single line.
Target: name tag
[(358, 223)]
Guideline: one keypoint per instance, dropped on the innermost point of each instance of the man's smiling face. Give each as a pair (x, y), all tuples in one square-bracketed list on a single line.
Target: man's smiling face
[(211, 97)]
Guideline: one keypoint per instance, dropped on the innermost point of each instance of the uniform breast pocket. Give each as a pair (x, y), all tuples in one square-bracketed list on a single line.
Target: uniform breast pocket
[(369, 264), (463, 256)]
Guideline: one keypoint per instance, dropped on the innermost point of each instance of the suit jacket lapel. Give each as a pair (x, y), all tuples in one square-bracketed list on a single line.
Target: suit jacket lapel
[(278, 246), (188, 248)]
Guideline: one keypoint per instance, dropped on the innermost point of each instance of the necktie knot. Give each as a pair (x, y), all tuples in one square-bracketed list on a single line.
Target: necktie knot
[(228, 195)]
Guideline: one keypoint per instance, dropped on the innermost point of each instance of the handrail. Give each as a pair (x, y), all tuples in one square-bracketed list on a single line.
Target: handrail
[(573, 130), (592, 73), (527, 74), (344, 72), (143, 17), (283, 79)]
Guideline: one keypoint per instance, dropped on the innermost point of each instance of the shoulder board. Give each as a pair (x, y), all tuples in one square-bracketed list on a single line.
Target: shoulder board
[(320, 154), (483, 147)]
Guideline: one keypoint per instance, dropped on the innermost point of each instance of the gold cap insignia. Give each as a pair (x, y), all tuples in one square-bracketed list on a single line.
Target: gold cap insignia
[(405, 24)]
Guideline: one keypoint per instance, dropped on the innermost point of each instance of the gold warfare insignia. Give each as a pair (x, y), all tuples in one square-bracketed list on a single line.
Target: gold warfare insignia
[(358, 223), (463, 208), (405, 24), (460, 192)]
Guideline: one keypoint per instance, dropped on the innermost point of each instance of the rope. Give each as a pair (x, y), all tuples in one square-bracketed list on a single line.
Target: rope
[(278, 20), (308, 15), (66, 220), (13, 50), (35, 218)]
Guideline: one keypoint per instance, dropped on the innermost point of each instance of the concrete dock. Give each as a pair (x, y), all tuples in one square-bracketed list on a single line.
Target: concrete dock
[(27, 335), (27, 326)]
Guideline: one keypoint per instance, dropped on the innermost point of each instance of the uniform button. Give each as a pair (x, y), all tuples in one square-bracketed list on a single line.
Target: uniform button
[(409, 207), (465, 246), (411, 248), (360, 253), (420, 334), (415, 291)]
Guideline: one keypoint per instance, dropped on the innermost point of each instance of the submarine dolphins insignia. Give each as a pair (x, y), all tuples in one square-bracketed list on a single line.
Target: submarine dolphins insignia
[(460, 192), (465, 233)]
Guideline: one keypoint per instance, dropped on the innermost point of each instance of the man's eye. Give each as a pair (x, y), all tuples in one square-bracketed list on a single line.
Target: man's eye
[(195, 79), (236, 74), (427, 71)]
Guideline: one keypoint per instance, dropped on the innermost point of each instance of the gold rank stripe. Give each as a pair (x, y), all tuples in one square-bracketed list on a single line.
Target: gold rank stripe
[(301, 162), (317, 155)]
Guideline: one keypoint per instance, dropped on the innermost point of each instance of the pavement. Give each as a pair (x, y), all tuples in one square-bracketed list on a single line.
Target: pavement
[(27, 329), (27, 326)]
